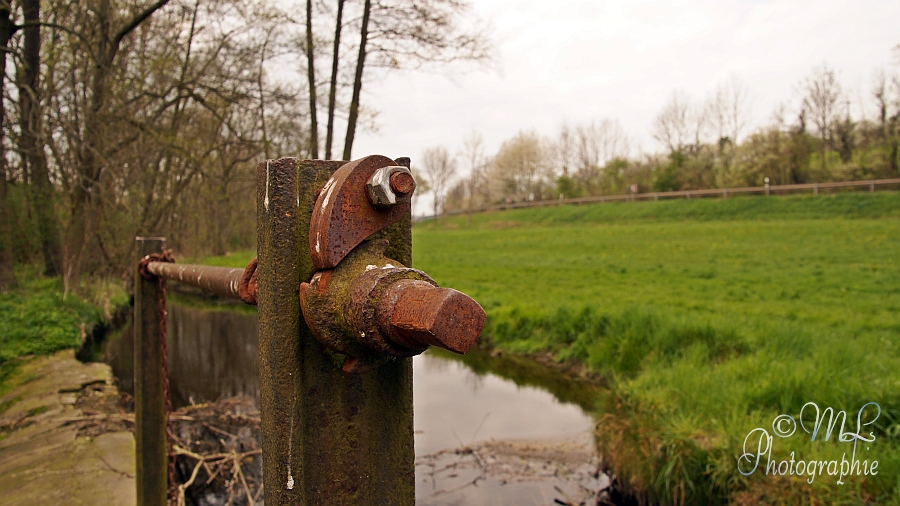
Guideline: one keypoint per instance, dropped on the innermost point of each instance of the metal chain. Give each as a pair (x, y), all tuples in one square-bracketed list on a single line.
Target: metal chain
[(165, 256), (164, 353)]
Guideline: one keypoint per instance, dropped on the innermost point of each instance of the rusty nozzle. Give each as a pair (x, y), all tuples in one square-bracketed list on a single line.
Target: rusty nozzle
[(415, 314)]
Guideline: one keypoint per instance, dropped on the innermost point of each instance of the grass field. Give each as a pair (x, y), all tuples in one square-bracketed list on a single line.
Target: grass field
[(709, 318)]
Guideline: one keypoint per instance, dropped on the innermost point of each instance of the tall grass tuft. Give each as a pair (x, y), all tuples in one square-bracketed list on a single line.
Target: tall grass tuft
[(688, 389)]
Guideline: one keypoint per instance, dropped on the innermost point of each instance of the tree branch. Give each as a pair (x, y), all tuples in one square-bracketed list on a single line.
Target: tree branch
[(135, 21)]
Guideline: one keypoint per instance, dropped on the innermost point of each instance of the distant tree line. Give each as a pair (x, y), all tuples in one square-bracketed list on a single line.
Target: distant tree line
[(147, 117), (704, 144)]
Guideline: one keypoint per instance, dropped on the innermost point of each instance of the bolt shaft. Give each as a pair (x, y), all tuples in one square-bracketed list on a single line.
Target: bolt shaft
[(402, 182), (418, 314)]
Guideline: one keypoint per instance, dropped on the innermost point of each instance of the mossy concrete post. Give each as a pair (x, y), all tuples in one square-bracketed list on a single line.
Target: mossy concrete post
[(149, 395), (329, 437)]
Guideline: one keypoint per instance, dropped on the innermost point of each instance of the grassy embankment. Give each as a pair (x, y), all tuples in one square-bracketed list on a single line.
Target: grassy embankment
[(709, 318), (37, 319)]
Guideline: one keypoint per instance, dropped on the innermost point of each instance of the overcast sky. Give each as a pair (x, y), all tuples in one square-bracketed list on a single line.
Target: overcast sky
[(581, 61)]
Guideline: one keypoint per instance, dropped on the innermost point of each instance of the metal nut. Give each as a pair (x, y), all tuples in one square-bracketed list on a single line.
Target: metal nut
[(390, 186)]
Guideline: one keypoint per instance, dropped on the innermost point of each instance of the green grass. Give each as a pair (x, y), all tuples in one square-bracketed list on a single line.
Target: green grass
[(233, 259), (8, 371), (710, 318), (36, 318), (846, 204)]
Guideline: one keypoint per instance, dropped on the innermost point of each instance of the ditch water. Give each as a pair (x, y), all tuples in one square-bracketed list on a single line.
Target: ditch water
[(527, 429)]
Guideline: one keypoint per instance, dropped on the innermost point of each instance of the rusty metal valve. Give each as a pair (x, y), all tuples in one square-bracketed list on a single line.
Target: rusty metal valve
[(361, 303), (371, 308)]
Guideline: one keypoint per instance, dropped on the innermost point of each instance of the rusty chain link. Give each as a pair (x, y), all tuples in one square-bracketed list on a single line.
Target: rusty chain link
[(165, 256)]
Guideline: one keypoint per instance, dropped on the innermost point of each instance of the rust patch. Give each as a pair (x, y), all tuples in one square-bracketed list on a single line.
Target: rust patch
[(343, 216)]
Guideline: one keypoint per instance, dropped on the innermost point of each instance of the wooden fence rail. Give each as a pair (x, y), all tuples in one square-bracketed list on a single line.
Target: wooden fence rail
[(711, 192)]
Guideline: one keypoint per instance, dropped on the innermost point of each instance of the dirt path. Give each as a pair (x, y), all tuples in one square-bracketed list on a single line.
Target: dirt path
[(52, 448)]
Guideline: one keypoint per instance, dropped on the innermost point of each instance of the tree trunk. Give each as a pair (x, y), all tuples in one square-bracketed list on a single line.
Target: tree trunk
[(7, 273), (357, 81), (89, 166), (311, 75), (85, 203), (895, 163), (329, 134), (31, 142)]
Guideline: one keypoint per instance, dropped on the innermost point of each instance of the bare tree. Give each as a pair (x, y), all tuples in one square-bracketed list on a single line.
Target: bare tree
[(357, 80), (475, 184), (822, 92), (439, 168), (886, 92), (411, 34), (679, 126), (563, 149), (187, 107), (30, 141), (7, 272), (332, 89), (423, 186), (93, 146), (597, 144), (727, 111), (520, 170), (311, 83)]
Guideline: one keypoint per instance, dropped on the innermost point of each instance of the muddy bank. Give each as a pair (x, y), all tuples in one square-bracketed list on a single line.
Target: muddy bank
[(219, 463), (513, 472)]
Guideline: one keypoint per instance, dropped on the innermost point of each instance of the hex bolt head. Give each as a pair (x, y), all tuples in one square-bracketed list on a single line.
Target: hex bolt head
[(418, 314), (389, 186)]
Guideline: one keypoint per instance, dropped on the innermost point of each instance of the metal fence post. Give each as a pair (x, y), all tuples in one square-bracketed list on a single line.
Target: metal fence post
[(329, 437), (149, 397)]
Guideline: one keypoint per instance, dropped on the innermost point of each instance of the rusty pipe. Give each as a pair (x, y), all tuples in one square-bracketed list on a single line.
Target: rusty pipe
[(223, 281)]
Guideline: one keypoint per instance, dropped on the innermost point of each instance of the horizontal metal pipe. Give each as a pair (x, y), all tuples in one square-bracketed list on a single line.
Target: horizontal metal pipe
[(219, 280)]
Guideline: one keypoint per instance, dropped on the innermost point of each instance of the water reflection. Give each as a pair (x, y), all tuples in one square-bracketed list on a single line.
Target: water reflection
[(528, 426), (458, 400), (212, 354), (454, 406)]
